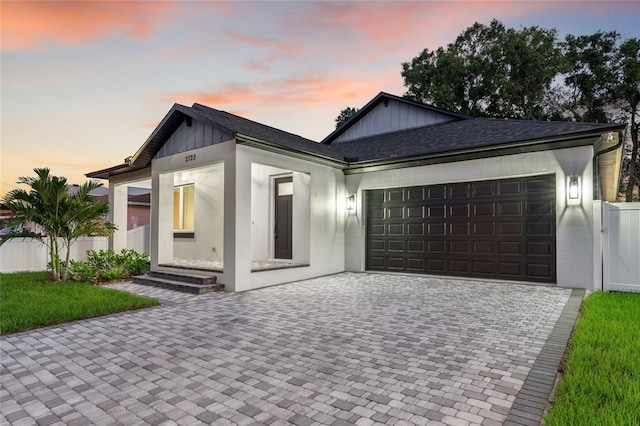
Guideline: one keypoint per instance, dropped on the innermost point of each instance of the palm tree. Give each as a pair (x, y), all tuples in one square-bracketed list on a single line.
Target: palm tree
[(59, 214)]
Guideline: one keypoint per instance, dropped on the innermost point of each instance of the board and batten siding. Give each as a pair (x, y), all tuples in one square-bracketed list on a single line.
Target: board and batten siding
[(393, 117), (187, 138)]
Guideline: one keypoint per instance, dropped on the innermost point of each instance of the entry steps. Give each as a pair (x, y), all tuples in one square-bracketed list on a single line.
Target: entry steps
[(188, 281)]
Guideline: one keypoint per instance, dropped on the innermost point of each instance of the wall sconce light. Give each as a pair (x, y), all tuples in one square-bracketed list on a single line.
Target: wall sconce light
[(573, 188), (351, 203)]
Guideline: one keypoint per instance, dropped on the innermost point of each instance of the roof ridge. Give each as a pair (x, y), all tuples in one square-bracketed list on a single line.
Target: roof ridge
[(197, 105)]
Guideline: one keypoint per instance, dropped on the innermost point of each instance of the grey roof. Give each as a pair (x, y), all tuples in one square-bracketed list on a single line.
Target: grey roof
[(463, 135), (271, 135)]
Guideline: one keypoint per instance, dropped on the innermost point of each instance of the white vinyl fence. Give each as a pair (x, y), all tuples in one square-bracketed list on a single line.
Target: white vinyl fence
[(621, 246), (20, 254), (139, 239)]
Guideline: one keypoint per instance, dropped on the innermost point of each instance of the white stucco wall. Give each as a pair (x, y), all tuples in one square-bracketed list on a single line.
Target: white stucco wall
[(208, 240), (216, 162), (325, 227), (574, 221)]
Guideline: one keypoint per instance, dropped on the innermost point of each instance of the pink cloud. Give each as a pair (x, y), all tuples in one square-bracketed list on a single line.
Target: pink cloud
[(301, 92), (283, 47), (29, 24)]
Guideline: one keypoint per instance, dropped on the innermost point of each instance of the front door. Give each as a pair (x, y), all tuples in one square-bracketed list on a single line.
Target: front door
[(283, 217)]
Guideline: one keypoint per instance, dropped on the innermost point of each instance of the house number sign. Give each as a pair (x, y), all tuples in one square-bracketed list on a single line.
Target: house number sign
[(190, 157)]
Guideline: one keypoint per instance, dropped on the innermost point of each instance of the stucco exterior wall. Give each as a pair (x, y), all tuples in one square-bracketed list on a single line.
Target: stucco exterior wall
[(324, 226), (574, 221), (208, 240), (219, 161)]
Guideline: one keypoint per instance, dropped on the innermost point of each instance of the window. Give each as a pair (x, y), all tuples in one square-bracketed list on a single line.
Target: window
[(183, 208)]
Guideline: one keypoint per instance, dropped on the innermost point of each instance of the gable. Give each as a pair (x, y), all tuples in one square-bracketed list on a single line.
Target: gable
[(190, 135), (391, 116)]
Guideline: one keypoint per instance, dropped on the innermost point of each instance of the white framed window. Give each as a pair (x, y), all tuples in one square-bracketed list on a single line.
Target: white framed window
[(183, 208)]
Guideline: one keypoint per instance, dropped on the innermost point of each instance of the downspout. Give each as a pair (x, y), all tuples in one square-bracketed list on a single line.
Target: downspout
[(598, 196)]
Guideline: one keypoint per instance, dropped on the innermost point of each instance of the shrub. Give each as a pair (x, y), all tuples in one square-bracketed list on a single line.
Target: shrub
[(109, 265), (135, 263), (82, 271), (113, 274)]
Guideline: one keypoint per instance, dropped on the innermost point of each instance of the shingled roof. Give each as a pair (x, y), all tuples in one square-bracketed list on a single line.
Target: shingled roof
[(251, 131), (463, 135), (467, 135)]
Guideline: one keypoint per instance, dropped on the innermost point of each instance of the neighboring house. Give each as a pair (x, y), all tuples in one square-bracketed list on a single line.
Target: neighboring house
[(400, 187)]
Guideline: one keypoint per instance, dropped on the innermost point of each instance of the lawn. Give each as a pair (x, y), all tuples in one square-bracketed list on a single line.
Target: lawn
[(28, 301), (601, 379)]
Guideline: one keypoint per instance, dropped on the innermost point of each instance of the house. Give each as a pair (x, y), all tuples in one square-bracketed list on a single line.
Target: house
[(400, 187)]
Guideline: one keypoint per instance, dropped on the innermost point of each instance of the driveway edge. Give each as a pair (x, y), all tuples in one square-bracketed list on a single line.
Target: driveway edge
[(529, 405)]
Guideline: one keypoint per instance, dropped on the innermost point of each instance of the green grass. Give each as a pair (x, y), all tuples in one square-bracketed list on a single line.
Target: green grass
[(28, 301), (601, 381)]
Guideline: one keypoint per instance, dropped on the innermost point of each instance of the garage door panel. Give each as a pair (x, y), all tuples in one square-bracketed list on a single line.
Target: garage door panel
[(510, 248), (483, 267), (483, 189), (415, 212), (497, 229), (395, 263), (484, 247), (437, 192), (415, 264), (415, 194), (415, 229), (509, 188), (459, 266), (484, 228), (436, 247), (395, 229), (510, 208), (457, 211), (458, 247), (539, 248), (457, 229), (539, 208), (458, 190), (395, 245), (415, 246), (538, 270), (510, 269), (377, 245), (436, 229), (377, 229), (484, 210), (540, 228), (510, 228), (436, 212)]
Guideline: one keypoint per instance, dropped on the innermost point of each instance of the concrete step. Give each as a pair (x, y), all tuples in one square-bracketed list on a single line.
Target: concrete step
[(177, 285), (187, 276)]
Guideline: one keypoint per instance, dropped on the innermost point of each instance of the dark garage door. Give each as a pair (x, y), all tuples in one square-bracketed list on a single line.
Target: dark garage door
[(502, 229)]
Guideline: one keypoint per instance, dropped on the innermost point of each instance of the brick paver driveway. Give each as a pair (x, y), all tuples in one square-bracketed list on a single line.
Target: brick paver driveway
[(345, 349)]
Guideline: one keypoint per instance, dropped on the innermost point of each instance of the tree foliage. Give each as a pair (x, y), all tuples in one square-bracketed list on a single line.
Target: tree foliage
[(345, 115), (528, 73), (488, 71), (64, 217)]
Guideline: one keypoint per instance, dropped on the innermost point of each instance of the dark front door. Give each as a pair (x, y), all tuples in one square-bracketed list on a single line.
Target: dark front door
[(283, 215), (502, 229)]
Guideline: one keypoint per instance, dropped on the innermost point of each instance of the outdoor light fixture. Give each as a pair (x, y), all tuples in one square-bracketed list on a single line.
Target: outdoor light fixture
[(351, 202), (573, 188)]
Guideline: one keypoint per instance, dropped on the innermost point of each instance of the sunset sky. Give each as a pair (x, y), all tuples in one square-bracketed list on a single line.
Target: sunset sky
[(83, 84)]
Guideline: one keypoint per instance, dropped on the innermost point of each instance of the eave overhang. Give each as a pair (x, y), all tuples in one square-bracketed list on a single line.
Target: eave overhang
[(534, 145)]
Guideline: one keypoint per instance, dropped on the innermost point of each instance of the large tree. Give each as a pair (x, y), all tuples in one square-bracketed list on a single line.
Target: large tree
[(627, 99), (487, 71), (63, 217), (345, 115)]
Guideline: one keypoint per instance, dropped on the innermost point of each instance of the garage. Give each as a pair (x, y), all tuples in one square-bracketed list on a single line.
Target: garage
[(498, 229)]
